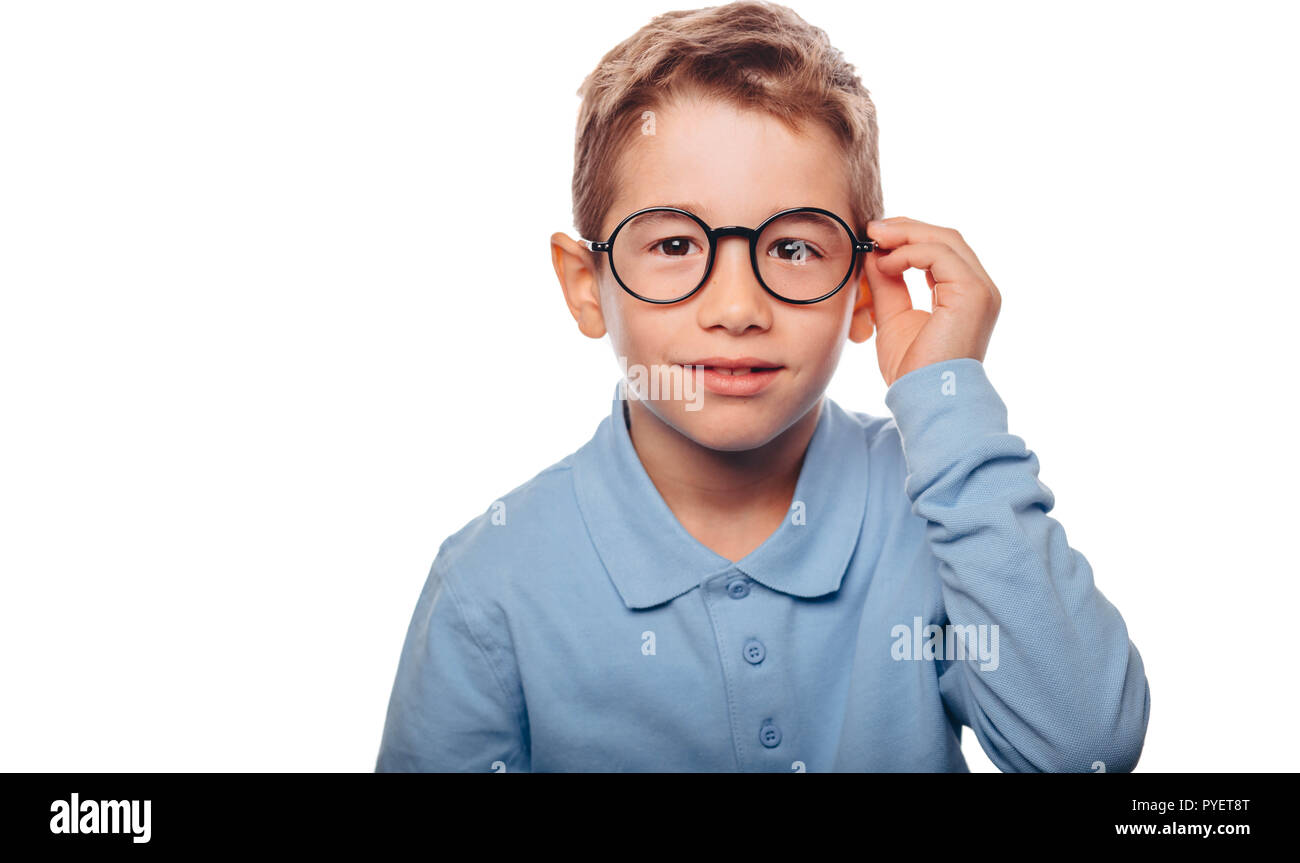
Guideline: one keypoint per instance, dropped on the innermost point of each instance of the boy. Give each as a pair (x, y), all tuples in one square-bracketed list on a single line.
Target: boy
[(735, 573)]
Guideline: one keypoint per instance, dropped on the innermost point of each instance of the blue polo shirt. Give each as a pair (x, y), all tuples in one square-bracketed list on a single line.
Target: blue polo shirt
[(917, 586)]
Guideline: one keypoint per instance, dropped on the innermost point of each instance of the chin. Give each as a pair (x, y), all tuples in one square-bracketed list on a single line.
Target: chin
[(728, 427)]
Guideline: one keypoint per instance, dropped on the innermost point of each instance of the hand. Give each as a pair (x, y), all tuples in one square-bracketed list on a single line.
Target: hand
[(964, 301)]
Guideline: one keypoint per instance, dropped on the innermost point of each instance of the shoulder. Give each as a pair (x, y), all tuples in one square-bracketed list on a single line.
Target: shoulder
[(884, 449), (521, 535), (520, 517), (880, 432)]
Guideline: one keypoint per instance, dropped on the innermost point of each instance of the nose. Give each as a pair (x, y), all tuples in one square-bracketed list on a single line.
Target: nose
[(732, 298)]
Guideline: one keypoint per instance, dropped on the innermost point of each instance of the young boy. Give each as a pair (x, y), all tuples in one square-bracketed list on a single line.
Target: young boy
[(735, 573)]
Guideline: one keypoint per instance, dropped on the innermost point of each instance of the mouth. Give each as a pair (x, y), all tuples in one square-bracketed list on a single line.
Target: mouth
[(723, 370), (742, 376), (737, 365)]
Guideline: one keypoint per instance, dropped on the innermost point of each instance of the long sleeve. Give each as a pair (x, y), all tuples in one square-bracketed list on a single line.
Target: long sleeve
[(452, 707), (1068, 688)]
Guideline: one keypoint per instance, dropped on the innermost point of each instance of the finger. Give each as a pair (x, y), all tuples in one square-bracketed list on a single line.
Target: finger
[(900, 230), (951, 280), (889, 294)]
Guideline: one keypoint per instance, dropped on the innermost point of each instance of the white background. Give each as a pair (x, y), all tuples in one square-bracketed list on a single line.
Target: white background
[(279, 316)]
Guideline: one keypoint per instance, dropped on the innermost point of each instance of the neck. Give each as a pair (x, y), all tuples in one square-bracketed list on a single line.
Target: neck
[(730, 501)]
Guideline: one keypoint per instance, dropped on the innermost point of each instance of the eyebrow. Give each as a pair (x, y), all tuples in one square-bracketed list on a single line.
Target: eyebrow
[(812, 218), (690, 206), (698, 209)]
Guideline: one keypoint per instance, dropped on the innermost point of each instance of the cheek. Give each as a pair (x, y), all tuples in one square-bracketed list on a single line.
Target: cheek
[(616, 314), (821, 334), (636, 330)]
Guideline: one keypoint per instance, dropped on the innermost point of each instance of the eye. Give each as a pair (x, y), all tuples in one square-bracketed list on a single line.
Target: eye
[(673, 247), (793, 250)]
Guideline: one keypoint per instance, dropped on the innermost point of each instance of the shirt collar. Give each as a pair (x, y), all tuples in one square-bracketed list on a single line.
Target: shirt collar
[(652, 559)]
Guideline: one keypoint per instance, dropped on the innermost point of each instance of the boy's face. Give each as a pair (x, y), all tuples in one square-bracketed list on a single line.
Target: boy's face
[(729, 166)]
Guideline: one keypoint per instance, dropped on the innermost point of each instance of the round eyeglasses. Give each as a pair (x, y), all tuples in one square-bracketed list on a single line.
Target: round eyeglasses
[(665, 254)]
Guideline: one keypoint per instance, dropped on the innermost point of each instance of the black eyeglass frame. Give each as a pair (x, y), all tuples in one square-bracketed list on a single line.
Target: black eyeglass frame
[(752, 234)]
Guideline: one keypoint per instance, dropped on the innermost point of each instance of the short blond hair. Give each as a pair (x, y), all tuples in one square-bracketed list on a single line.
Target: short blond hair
[(755, 55)]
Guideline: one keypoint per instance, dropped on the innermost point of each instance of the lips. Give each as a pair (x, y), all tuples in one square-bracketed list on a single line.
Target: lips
[(737, 365), (726, 371), (736, 376)]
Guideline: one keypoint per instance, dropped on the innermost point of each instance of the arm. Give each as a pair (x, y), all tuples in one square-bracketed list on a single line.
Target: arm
[(453, 708), (1069, 688)]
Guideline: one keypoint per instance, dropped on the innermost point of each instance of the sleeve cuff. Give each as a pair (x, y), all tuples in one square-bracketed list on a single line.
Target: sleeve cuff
[(942, 410)]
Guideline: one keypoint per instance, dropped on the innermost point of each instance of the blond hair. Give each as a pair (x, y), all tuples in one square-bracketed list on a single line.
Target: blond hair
[(755, 55)]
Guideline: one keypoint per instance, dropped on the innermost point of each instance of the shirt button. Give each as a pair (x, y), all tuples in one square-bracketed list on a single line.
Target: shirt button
[(738, 588), (754, 651), (769, 735)]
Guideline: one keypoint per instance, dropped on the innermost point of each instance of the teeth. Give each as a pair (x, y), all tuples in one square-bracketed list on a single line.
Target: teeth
[(721, 370)]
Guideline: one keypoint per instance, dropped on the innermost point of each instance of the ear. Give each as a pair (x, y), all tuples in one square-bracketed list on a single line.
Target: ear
[(575, 267), (864, 322)]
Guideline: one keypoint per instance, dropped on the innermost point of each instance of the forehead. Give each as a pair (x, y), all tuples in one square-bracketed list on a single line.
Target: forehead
[(736, 165)]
